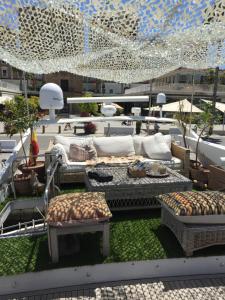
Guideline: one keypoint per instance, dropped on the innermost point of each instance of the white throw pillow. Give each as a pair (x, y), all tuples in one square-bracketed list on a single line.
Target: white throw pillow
[(155, 149), (66, 141), (114, 146), (161, 138), (138, 146), (59, 149)]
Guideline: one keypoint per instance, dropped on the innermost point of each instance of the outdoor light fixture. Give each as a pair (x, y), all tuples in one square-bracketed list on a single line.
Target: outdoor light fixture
[(160, 100), (136, 111), (51, 97)]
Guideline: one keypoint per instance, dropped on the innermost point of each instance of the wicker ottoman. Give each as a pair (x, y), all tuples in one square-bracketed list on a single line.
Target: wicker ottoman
[(195, 227), (77, 213)]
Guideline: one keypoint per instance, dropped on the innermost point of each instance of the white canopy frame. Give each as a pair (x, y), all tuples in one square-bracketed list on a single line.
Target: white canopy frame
[(116, 40)]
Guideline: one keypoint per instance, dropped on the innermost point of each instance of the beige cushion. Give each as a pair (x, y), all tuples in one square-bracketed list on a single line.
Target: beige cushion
[(155, 149), (79, 153), (138, 144), (161, 138), (59, 149), (66, 141), (76, 208), (114, 146)]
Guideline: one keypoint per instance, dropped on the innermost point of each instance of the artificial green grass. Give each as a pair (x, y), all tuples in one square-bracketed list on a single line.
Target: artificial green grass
[(133, 236)]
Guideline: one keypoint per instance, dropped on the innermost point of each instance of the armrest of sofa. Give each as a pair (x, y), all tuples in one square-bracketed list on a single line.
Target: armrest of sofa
[(183, 154)]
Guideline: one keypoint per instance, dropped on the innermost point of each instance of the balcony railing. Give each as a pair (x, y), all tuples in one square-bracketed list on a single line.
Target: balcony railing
[(5, 85), (174, 87)]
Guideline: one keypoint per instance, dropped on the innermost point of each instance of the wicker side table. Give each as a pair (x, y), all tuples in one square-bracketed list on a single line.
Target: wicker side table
[(193, 237)]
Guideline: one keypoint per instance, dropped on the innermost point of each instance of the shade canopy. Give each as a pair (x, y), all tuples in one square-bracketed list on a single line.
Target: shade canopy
[(220, 106), (175, 107), (117, 40)]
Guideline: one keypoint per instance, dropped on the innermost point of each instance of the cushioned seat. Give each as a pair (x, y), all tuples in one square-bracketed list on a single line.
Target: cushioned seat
[(195, 203), (73, 208)]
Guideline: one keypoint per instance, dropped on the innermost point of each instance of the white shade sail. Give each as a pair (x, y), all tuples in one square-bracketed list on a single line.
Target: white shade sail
[(117, 40), (174, 107), (220, 106)]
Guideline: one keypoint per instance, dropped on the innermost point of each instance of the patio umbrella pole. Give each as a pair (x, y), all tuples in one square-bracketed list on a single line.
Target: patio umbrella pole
[(149, 105)]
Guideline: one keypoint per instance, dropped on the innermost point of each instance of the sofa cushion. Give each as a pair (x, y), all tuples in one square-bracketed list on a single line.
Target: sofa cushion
[(161, 138), (195, 203), (59, 149), (114, 146), (78, 207), (155, 149), (66, 141), (138, 144), (79, 153)]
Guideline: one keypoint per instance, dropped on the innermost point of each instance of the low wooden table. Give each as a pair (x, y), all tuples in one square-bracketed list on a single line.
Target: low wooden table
[(55, 231), (125, 192), (77, 213)]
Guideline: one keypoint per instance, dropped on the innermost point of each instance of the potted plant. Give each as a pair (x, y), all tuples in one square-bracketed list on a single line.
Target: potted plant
[(87, 109), (18, 116), (203, 122), (89, 128)]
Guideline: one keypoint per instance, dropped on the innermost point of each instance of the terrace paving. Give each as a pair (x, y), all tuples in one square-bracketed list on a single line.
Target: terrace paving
[(207, 287)]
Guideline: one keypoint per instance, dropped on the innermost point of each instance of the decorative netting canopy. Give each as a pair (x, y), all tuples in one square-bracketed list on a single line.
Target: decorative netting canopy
[(118, 40)]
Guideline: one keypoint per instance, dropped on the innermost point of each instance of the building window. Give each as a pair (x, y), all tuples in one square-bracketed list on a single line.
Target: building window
[(182, 79), (4, 72), (111, 91), (64, 83)]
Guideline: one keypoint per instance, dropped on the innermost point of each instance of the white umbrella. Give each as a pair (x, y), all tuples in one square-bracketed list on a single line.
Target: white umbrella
[(175, 107), (220, 106), (5, 98)]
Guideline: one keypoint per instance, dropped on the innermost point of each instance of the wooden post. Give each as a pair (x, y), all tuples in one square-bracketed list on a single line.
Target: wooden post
[(43, 129), (59, 129)]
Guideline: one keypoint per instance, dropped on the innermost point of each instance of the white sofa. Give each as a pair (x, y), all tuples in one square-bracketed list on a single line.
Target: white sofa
[(118, 150)]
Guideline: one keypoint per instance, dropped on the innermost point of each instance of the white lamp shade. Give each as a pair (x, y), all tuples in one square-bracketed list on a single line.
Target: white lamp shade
[(51, 96), (108, 110), (136, 111), (161, 98)]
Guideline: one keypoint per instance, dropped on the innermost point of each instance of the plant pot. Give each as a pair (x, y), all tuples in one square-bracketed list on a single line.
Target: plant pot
[(194, 164), (85, 114), (39, 169), (199, 174), (22, 185)]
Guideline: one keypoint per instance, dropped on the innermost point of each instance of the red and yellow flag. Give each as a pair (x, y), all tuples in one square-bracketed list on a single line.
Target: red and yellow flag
[(34, 148)]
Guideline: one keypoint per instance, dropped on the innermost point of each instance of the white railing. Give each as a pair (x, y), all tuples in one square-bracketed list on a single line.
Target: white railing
[(34, 226), (5, 85), (174, 87)]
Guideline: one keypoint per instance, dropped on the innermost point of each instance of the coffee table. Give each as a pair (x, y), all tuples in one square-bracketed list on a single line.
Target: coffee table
[(125, 192)]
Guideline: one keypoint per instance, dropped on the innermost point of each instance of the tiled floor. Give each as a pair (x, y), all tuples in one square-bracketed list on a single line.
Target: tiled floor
[(209, 287)]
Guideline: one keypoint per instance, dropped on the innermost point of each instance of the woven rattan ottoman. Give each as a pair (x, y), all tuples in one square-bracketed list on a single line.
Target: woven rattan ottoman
[(77, 213), (197, 219), (125, 192)]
